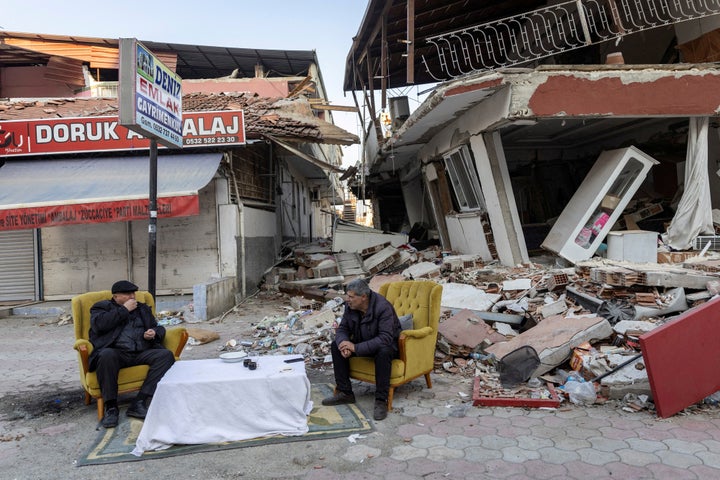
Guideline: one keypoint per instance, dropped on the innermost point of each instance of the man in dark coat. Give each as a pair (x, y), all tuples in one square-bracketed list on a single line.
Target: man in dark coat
[(369, 328), (124, 333)]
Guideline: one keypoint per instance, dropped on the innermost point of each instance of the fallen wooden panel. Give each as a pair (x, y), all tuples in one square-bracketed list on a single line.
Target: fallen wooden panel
[(682, 358), (479, 398)]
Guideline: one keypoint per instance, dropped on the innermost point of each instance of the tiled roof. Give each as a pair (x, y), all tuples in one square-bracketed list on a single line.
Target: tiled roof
[(289, 119)]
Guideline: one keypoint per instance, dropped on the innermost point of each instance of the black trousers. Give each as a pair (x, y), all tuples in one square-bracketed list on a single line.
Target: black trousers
[(383, 364), (111, 360)]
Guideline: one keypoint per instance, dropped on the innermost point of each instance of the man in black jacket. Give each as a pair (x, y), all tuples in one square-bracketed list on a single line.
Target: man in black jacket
[(124, 333), (369, 328)]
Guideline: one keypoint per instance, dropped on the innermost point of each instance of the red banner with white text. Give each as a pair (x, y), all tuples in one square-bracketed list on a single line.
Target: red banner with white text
[(97, 212)]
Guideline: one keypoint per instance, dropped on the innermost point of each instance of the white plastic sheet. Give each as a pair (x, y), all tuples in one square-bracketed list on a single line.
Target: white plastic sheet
[(693, 215)]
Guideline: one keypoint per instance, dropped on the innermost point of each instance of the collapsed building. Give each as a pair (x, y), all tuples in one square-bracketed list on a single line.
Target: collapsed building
[(585, 131), (531, 136)]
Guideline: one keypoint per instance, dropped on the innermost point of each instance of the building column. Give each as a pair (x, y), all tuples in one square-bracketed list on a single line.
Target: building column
[(499, 198)]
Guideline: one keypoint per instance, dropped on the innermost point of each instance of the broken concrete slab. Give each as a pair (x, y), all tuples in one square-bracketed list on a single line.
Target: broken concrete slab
[(318, 281), (551, 309), (627, 274), (632, 378), (517, 284), (465, 329), (459, 262), (676, 302), (405, 259), (554, 339), (459, 296), (422, 270), (507, 318), (642, 326), (352, 237), (349, 263), (381, 260)]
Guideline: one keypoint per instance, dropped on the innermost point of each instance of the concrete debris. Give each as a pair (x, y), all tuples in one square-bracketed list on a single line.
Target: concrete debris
[(461, 296), (422, 270), (586, 319)]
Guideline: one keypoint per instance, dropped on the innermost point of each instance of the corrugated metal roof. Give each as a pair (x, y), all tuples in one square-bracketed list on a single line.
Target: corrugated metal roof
[(193, 61)]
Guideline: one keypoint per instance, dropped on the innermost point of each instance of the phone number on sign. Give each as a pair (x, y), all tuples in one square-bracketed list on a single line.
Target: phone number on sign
[(210, 140)]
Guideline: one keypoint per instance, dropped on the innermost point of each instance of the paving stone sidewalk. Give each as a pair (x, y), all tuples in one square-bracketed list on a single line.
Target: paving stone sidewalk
[(431, 433)]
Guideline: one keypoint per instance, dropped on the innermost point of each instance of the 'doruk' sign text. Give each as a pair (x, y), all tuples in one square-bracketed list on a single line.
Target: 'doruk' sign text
[(102, 134)]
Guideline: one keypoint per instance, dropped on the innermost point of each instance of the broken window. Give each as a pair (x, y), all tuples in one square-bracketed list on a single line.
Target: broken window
[(464, 180)]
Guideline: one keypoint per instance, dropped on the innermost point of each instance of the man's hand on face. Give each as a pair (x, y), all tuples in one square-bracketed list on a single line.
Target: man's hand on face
[(131, 304)]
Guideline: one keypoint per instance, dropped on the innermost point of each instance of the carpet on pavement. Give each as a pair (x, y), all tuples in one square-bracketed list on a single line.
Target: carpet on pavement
[(114, 445)]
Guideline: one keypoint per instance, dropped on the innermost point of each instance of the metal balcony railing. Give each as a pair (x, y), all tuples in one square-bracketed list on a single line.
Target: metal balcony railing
[(555, 29)]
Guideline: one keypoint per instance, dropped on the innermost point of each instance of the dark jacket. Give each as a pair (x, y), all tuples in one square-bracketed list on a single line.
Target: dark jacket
[(107, 320), (378, 327)]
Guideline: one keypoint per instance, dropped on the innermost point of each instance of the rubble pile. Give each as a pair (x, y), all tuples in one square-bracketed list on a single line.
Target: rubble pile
[(586, 319)]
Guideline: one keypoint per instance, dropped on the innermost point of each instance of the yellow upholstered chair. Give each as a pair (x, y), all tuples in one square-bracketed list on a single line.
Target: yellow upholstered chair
[(130, 379), (421, 298)]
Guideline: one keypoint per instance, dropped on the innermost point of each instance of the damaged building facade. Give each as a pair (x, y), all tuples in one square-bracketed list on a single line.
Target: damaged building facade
[(260, 167), (543, 127)]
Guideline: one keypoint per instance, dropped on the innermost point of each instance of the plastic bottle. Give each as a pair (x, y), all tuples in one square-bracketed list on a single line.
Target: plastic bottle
[(481, 357), (574, 376)]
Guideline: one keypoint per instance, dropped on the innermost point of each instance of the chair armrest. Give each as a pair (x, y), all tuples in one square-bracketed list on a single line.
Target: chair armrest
[(408, 338), (419, 333), (175, 340), (84, 348)]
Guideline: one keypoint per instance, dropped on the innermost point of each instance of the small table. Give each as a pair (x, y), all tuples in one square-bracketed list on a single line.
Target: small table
[(209, 401)]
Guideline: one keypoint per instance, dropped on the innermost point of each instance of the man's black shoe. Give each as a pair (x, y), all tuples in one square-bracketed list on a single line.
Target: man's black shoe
[(340, 398), (380, 411), (111, 418), (137, 409)]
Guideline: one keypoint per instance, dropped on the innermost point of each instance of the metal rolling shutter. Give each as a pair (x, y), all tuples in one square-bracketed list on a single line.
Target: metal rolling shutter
[(17, 265)]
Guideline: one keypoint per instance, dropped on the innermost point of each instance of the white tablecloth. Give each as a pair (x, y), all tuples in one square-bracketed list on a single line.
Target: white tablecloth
[(208, 401)]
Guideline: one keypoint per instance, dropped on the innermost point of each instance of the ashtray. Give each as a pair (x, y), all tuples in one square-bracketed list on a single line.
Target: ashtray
[(231, 357)]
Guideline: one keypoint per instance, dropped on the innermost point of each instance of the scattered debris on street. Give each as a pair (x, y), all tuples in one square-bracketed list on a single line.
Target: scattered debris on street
[(584, 322)]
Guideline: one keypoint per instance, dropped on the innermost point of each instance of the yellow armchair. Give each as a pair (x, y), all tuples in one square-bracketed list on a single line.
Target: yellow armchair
[(130, 379), (421, 298)]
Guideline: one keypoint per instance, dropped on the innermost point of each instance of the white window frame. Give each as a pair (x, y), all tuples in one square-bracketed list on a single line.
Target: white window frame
[(464, 180)]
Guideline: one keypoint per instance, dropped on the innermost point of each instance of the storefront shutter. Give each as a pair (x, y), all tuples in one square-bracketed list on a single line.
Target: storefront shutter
[(17, 265)]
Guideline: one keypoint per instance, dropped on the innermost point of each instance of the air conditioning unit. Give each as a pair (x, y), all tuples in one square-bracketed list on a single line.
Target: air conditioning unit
[(701, 241)]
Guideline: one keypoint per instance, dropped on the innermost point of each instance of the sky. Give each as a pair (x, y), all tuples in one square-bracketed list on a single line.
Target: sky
[(326, 26)]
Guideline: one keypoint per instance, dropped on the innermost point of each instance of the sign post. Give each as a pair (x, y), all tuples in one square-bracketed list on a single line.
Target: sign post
[(150, 103)]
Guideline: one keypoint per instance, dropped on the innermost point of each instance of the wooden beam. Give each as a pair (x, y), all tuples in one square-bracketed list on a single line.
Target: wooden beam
[(339, 108), (374, 33), (371, 85), (383, 63), (302, 85), (410, 52)]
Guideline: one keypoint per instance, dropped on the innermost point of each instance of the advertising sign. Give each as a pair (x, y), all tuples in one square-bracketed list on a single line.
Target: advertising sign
[(96, 212), (105, 134), (150, 95)]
